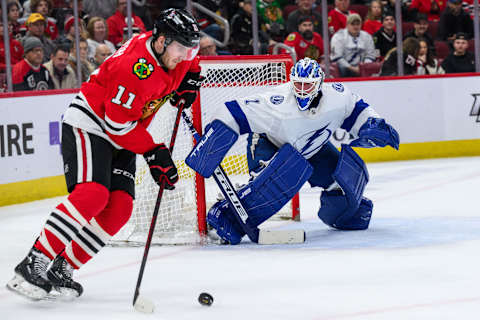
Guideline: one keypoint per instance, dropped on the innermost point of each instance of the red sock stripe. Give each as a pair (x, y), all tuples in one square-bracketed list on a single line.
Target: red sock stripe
[(84, 155), (62, 208), (55, 243)]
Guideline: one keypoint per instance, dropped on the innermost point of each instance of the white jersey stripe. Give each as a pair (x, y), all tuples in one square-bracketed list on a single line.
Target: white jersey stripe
[(78, 145)]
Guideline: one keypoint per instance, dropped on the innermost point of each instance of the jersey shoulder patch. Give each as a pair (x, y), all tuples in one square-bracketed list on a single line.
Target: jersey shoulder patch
[(338, 86), (291, 36), (277, 99)]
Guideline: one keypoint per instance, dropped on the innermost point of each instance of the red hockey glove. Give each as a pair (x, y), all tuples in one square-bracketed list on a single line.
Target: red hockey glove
[(188, 90), (161, 166)]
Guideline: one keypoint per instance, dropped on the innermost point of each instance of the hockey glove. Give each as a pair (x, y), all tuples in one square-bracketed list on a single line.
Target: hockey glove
[(188, 90), (161, 166), (375, 132)]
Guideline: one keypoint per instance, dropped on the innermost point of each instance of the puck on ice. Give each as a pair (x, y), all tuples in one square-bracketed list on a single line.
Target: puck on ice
[(205, 299)]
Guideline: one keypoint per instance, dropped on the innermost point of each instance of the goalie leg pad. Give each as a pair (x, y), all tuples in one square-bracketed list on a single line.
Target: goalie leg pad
[(211, 148), (337, 207), (222, 220), (274, 186), (335, 212)]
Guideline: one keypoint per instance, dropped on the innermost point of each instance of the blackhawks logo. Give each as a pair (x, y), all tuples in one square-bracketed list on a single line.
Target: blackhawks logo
[(142, 70)]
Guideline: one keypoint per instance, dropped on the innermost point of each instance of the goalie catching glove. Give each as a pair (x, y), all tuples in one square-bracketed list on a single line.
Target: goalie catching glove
[(161, 166), (188, 90)]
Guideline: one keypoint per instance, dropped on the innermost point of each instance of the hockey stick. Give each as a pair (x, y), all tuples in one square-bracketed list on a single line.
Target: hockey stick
[(260, 236), (139, 303)]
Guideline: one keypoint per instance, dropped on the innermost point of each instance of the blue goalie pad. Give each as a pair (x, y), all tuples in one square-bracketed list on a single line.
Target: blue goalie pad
[(375, 132), (335, 212), (212, 147), (270, 190), (220, 218), (337, 207)]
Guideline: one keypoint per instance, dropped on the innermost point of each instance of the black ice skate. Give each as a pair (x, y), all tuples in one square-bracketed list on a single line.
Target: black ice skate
[(60, 275), (30, 278)]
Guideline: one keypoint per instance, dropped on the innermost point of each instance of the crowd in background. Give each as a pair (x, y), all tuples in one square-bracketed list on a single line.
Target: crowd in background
[(437, 35)]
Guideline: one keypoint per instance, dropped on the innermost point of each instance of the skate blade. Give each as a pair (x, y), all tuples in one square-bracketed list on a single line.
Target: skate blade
[(65, 294), (25, 289)]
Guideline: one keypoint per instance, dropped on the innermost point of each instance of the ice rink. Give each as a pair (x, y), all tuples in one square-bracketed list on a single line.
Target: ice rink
[(420, 259)]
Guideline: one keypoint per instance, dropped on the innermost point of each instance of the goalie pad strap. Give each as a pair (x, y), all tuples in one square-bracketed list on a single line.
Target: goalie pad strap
[(212, 147)]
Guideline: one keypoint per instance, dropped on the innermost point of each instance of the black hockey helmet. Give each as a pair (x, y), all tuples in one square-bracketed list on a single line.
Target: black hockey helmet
[(178, 25)]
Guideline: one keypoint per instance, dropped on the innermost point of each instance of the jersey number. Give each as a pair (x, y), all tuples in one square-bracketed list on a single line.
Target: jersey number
[(117, 99)]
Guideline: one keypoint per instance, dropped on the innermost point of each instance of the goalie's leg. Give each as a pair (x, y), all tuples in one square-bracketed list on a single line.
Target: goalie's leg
[(271, 188)]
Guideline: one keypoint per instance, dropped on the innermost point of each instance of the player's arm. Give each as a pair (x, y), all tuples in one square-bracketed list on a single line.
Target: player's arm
[(189, 88), (369, 129)]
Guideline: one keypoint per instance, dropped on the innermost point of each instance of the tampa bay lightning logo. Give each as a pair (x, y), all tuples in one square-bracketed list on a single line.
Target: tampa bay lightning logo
[(277, 99), (338, 86), (313, 142)]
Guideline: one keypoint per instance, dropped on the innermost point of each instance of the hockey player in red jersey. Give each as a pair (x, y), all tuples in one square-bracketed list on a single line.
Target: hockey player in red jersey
[(103, 129)]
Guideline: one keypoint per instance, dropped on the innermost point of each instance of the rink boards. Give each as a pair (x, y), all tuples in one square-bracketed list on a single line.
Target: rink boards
[(435, 117)]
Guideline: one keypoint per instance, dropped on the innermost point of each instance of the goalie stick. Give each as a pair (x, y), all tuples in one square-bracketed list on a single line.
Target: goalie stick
[(260, 236), (140, 303)]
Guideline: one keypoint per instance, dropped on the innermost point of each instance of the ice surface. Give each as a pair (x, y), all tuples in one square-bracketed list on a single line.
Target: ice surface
[(420, 259)]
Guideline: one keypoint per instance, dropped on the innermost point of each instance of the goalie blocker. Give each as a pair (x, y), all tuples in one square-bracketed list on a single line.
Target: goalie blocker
[(262, 197)]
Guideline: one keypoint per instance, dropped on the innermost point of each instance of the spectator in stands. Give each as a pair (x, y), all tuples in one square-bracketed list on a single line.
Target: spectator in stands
[(36, 28), (454, 20), (62, 74), (460, 60), (16, 49), (241, 32), (305, 8), (427, 63), (386, 38), (207, 23), (373, 21), (44, 7), (102, 52), (337, 17), (13, 12), (271, 13), (420, 30), (69, 37), (305, 41), (431, 8), (30, 74), (117, 24), (104, 8), (411, 48), (407, 15), (209, 48), (97, 34), (352, 46), (86, 67)]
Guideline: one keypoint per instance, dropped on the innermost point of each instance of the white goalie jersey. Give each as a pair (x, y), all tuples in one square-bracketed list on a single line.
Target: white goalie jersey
[(276, 114)]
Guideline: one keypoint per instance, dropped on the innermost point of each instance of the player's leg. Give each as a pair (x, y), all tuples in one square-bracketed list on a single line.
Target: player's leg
[(101, 228), (259, 151), (343, 177), (87, 160)]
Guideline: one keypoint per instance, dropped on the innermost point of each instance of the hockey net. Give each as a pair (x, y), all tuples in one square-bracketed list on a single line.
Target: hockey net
[(182, 214)]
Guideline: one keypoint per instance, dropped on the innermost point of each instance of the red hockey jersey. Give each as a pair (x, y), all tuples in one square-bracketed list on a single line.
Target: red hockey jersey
[(337, 20), (114, 102)]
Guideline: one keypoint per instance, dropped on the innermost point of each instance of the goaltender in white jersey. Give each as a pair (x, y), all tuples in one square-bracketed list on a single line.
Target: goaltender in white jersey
[(302, 114)]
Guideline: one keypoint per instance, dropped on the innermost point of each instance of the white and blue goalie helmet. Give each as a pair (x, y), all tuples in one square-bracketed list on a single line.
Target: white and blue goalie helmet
[(306, 76)]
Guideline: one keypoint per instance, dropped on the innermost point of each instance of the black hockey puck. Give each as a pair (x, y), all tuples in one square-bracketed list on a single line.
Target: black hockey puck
[(205, 299)]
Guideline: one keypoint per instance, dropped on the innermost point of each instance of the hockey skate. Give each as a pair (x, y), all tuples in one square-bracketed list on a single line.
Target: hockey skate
[(30, 278), (60, 275)]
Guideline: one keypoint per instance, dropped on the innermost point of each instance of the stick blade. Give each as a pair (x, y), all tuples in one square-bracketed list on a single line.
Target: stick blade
[(144, 305), (281, 236)]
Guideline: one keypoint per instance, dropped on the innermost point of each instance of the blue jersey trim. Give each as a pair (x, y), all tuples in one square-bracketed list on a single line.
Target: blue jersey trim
[(352, 118), (239, 116)]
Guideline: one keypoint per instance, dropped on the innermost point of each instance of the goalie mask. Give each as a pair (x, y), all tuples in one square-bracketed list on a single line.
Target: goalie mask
[(181, 31), (306, 77)]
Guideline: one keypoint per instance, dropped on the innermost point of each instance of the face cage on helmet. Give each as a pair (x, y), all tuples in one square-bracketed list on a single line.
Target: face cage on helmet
[(305, 90)]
